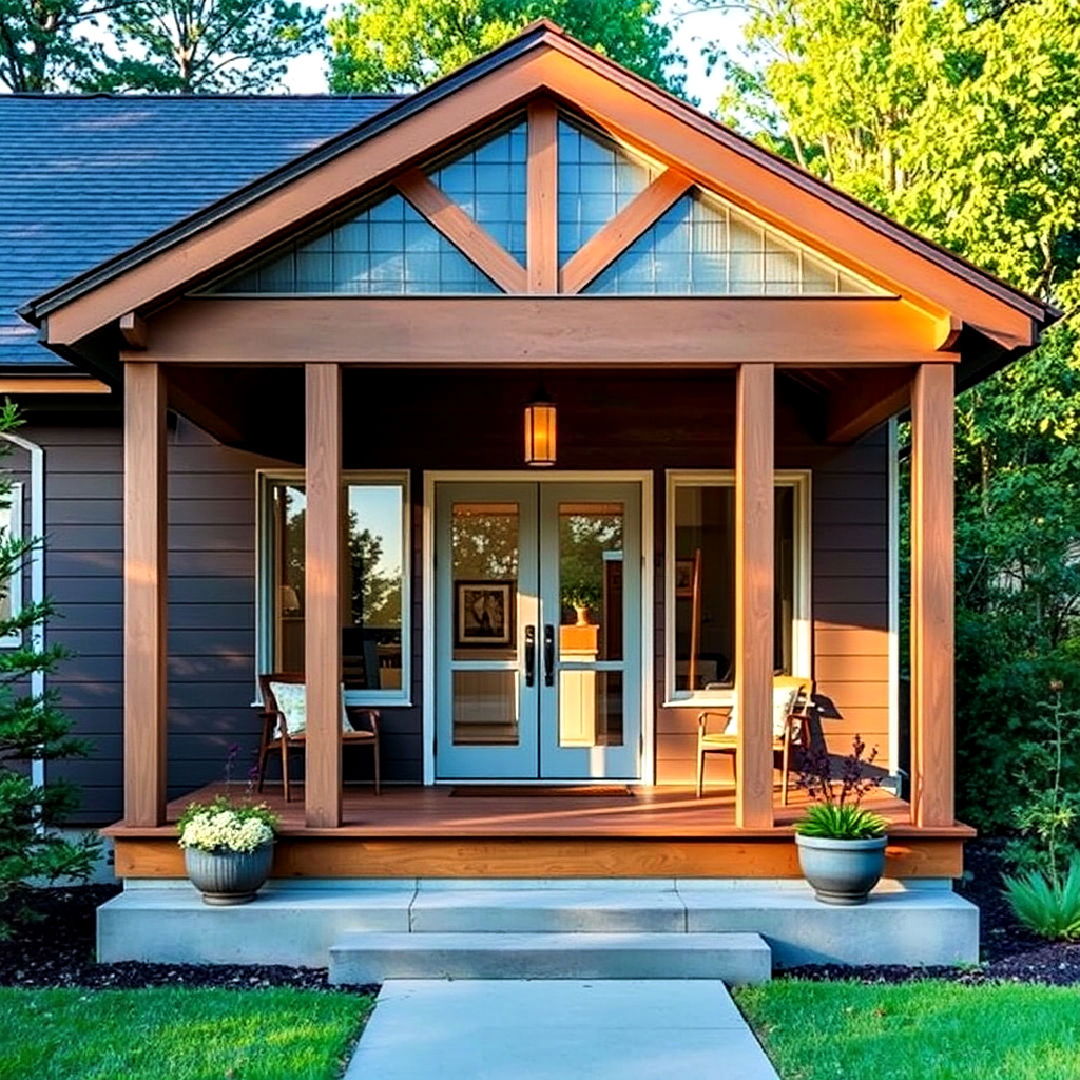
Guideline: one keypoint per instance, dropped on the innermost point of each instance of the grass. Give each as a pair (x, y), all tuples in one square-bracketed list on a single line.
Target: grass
[(917, 1031), (182, 1034)]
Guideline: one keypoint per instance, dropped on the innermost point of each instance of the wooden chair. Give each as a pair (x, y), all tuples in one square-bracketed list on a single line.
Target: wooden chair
[(796, 729), (275, 733)]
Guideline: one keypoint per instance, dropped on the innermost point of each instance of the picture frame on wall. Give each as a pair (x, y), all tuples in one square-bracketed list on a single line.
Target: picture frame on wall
[(484, 615), (684, 579)]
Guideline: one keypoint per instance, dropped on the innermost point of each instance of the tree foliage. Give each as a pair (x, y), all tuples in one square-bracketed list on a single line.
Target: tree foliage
[(31, 727), (961, 119), (399, 45)]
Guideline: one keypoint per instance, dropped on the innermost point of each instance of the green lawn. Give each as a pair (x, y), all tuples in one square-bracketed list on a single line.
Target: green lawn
[(917, 1031), (177, 1033)]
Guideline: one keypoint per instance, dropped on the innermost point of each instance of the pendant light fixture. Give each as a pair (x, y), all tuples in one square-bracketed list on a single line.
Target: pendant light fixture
[(540, 429)]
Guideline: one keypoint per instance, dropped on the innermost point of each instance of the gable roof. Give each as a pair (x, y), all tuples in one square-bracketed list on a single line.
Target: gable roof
[(544, 59), (86, 177)]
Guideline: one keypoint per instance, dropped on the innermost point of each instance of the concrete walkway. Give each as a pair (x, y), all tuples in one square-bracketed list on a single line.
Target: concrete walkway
[(556, 1030)]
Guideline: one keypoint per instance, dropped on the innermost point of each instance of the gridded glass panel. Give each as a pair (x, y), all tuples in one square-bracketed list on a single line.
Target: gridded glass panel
[(596, 180), (705, 245), (488, 183), (386, 249)]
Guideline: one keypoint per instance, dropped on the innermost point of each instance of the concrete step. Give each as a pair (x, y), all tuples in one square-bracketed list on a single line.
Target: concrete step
[(367, 956)]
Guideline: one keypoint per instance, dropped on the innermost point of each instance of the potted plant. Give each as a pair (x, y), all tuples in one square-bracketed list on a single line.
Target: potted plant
[(228, 849), (841, 845)]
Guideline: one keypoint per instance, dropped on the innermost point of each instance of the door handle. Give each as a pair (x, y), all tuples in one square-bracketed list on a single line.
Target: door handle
[(530, 655), (549, 654)]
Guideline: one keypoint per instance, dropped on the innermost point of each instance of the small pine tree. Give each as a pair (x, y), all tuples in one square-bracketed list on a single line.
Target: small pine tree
[(32, 851)]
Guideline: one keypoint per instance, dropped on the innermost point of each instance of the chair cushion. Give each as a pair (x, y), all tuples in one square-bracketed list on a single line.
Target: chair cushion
[(783, 697), (292, 701)]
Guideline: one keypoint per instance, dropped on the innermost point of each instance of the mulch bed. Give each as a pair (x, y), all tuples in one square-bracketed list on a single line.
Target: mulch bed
[(56, 948)]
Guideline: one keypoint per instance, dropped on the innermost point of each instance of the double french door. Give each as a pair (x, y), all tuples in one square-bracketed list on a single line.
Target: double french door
[(538, 643)]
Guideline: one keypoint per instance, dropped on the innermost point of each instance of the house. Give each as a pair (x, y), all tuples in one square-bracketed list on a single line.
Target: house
[(611, 395)]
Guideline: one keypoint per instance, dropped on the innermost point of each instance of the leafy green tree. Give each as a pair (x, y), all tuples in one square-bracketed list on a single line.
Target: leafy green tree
[(31, 727), (397, 45), (43, 45), (208, 46)]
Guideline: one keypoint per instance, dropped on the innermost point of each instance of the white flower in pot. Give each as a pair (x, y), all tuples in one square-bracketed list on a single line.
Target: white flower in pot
[(228, 849), (841, 845)]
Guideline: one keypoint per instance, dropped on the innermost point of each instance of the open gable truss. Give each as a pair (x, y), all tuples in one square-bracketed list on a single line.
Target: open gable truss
[(540, 67)]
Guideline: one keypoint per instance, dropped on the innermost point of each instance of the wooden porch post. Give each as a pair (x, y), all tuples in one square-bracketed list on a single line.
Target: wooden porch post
[(145, 590), (323, 584), (932, 753), (754, 541)]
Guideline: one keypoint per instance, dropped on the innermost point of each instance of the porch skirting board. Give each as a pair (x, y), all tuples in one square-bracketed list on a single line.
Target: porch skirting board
[(299, 923)]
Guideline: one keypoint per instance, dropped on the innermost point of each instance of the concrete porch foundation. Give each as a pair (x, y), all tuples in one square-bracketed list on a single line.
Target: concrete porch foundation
[(913, 924)]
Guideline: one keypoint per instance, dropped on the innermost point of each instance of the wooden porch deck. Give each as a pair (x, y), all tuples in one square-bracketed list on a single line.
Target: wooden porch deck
[(433, 832)]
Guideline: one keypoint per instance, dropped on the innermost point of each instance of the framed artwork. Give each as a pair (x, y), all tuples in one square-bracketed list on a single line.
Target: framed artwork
[(484, 615), (684, 579)]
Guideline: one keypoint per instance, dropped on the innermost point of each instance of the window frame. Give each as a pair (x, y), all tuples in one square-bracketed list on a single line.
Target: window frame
[(799, 480), (265, 479), (14, 510)]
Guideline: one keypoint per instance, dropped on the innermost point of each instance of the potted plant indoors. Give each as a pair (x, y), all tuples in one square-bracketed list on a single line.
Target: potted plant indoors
[(228, 849), (841, 844)]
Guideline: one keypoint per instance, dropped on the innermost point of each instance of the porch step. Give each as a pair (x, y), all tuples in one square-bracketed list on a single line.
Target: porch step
[(363, 957)]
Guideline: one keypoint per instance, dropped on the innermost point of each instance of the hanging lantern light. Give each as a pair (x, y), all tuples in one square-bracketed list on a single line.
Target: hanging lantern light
[(540, 429)]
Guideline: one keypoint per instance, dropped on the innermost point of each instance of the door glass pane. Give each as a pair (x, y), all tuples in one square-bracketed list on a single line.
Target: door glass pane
[(485, 552), (485, 708), (590, 708), (590, 581)]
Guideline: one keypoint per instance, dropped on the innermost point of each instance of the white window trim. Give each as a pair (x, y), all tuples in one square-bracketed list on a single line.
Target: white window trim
[(802, 631), (264, 478), (15, 583)]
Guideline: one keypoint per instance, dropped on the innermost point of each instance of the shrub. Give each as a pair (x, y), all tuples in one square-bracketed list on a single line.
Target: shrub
[(1047, 905)]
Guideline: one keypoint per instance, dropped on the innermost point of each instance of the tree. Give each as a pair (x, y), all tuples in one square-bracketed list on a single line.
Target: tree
[(399, 45), (31, 727), (43, 47), (208, 46)]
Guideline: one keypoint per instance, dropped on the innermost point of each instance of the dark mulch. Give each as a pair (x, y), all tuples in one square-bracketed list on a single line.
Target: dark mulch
[(1009, 951), (55, 947)]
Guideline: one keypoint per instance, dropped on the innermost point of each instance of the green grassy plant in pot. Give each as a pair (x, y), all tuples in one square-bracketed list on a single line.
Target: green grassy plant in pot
[(841, 845), (228, 849)]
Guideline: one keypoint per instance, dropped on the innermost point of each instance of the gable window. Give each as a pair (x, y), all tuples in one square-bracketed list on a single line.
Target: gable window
[(374, 600), (701, 582)]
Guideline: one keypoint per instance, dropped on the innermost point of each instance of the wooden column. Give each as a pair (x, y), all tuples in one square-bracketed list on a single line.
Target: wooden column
[(932, 751), (754, 439), (145, 590), (542, 228), (323, 582)]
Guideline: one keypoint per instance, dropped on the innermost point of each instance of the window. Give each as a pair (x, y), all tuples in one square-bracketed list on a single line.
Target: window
[(704, 244), (374, 603), (701, 582), (11, 589)]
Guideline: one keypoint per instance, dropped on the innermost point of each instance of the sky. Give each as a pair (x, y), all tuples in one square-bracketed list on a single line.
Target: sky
[(307, 74)]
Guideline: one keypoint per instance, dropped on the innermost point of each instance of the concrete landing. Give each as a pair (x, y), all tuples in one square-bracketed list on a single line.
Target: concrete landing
[(510, 1030)]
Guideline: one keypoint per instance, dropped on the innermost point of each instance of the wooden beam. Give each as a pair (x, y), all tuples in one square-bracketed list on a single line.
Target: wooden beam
[(59, 385), (475, 242), (932, 694), (324, 581), (649, 331), (623, 229), (867, 399), (542, 202), (145, 588), (754, 540), (133, 330)]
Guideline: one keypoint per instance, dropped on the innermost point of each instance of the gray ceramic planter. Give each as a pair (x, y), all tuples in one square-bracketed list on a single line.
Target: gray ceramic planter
[(841, 871), (229, 877)]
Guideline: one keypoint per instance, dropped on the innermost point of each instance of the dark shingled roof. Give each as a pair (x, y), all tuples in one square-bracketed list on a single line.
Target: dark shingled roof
[(84, 178)]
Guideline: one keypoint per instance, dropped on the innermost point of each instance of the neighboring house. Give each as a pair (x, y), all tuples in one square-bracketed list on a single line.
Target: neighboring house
[(225, 290)]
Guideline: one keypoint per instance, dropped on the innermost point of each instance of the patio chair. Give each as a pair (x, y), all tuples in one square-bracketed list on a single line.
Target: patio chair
[(284, 719), (793, 698)]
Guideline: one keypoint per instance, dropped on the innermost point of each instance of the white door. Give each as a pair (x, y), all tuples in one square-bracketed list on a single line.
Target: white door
[(538, 631)]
